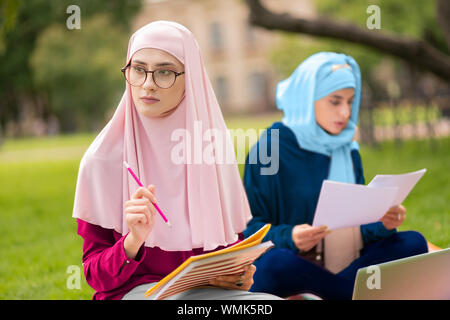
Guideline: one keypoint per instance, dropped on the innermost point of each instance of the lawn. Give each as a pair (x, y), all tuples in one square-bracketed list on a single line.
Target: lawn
[(37, 183)]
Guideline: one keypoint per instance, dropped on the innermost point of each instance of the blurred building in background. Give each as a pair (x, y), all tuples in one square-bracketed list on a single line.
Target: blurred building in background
[(235, 53)]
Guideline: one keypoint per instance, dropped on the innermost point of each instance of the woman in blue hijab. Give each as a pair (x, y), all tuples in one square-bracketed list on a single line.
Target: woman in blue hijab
[(320, 102)]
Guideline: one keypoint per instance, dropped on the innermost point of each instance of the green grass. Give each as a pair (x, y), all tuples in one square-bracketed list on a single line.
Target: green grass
[(428, 204), (37, 185), (39, 240)]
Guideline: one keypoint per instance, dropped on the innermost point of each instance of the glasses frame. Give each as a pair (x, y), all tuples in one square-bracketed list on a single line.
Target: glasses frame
[(177, 74)]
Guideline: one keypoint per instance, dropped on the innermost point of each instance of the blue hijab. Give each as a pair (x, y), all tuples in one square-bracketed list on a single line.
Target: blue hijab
[(316, 77)]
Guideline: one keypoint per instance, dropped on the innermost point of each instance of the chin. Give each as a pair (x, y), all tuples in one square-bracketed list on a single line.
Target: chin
[(334, 132), (148, 111)]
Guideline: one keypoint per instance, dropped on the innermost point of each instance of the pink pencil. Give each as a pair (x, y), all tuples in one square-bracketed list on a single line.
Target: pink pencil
[(140, 184)]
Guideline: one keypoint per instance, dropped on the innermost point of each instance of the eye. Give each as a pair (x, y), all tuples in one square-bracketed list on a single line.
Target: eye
[(164, 72), (138, 69), (335, 102)]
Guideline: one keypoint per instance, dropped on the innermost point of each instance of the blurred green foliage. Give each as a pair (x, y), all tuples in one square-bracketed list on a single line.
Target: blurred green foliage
[(414, 19), (33, 28), (81, 70)]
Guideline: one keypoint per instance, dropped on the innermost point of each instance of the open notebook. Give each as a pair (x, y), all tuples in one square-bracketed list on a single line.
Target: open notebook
[(196, 271)]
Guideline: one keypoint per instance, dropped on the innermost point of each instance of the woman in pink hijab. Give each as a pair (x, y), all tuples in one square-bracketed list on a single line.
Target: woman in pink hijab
[(127, 245)]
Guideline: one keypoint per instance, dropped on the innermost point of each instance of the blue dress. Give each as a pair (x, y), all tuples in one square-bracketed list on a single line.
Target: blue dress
[(288, 198)]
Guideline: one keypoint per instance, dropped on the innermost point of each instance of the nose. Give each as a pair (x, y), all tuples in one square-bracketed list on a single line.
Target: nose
[(345, 111), (149, 83)]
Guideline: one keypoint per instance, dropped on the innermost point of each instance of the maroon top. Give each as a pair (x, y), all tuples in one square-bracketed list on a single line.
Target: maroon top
[(112, 274)]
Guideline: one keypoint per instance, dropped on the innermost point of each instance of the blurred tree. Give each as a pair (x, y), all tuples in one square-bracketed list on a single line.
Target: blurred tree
[(293, 49), (80, 71), (8, 16), (410, 29), (21, 24), (406, 58)]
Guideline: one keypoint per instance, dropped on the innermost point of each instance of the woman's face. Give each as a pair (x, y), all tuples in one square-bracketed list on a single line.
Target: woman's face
[(333, 111), (149, 99)]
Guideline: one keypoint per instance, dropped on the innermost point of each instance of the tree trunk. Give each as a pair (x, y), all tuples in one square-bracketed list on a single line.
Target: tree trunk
[(414, 51), (443, 18)]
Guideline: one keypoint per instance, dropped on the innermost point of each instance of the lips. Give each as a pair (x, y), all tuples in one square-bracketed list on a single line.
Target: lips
[(339, 124), (149, 99)]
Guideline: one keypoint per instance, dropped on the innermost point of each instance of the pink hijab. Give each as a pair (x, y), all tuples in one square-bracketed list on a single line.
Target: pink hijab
[(205, 203)]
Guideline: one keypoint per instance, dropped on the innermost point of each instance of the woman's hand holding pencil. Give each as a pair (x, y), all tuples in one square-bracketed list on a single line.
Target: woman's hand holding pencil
[(139, 215), (140, 184)]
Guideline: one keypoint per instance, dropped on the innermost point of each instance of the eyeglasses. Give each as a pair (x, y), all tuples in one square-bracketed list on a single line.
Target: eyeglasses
[(137, 75)]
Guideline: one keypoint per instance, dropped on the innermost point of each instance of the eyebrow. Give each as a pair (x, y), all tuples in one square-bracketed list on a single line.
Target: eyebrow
[(340, 97), (161, 64)]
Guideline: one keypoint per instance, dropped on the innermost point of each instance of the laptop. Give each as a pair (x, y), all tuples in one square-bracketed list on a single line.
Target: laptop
[(421, 277)]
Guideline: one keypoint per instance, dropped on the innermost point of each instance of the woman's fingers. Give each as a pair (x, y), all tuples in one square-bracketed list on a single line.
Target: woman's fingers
[(313, 234), (225, 284), (306, 246), (242, 281), (308, 243), (307, 231), (247, 274), (319, 235), (141, 202), (305, 236), (319, 230), (145, 192), (398, 209), (397, 212), (140, 210), (394, 216), (136, 218), (137, 202), (315, 238)]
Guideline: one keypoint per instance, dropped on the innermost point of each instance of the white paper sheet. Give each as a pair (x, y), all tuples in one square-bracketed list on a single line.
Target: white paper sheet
[(404, 182), (344, 205)]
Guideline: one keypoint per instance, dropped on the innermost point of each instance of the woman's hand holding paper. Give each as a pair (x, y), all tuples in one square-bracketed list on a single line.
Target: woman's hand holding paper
[(394, 217), (305, 237)]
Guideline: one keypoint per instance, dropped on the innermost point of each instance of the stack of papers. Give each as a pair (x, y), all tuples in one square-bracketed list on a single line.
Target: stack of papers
[(343, 205), (198, 270)]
